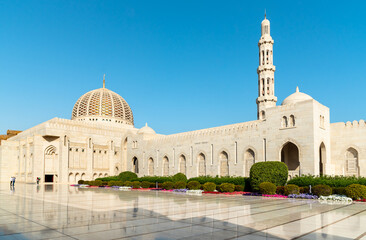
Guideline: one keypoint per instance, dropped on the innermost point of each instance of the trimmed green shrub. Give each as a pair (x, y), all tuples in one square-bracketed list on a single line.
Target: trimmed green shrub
[(179, 177), (220, 180), (273, 172), (112, 183), (291, 189), (180, 185), (193, 185), (155, 179), (267, 188), (304, 189), (107, 179), (152, 185), (136, 184), (322, 190), (239, 188), (104, 183), (81, 182), (145, 184), (356, 191), (127, 176), (209, 187), (160, 185), (96, 183), (339, 190), (127, 184), (168, 185), (280, 190), (332, 181), (227, 187)]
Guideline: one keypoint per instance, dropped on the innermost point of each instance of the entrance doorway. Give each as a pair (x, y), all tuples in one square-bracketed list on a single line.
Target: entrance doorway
[(48, 178)]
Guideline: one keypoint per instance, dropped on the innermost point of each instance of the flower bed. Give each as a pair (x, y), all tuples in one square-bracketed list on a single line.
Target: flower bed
[(303, 196), (194, 192), (125, 188), (335, 198), (225, 193), (274, 196), (180, 190)]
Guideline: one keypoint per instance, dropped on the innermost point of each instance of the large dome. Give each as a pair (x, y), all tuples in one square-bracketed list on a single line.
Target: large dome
[(104, 106)]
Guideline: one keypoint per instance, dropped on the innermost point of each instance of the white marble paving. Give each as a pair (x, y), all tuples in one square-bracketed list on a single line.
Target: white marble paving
[(65, 212)]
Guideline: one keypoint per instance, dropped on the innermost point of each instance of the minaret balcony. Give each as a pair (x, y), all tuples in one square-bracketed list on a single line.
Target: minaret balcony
[(265, 67), (267, 98)]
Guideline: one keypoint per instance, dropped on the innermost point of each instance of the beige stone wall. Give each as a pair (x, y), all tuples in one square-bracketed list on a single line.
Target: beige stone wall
[(343, 137)]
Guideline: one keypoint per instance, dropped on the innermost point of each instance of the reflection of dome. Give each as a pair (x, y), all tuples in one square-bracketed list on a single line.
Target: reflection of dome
[(146, 130), (102, 105), (296, 97)]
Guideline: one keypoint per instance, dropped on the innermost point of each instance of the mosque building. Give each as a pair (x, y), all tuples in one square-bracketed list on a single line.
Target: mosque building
[(101, 140)]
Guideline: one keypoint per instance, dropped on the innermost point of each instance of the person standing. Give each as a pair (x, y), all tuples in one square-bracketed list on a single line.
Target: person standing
[(38, 179), (11, 181)]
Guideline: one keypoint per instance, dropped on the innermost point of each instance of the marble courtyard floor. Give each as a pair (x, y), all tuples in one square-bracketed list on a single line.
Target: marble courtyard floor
[(64, 212)]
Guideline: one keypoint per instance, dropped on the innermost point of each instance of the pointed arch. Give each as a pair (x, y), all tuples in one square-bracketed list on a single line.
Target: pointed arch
[(150, 165), (249, 160), (201, 164), (165, 166), (135, 164), (224, 163), (183, 164), (322, 158), (290, 155), (351, 162)]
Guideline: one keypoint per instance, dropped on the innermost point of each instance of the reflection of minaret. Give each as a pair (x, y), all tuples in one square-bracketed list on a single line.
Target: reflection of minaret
[(266, 98)]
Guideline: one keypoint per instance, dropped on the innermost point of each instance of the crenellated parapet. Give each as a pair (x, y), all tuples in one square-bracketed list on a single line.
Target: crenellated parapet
[(354, 124)]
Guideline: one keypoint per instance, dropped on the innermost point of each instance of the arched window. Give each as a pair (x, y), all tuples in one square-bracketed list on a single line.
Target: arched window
[(165, 166), (151, 167), (135, 163), (352, 168), (224, 164), (249, 160), (182, 164), (201, 163), (322, 158), (284, 123), (292, 121)]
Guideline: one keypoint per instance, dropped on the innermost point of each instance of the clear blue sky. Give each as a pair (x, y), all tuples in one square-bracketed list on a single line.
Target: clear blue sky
[(181, 65)]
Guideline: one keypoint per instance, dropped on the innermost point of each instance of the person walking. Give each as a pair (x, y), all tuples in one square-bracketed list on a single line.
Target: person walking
[(14, 181)]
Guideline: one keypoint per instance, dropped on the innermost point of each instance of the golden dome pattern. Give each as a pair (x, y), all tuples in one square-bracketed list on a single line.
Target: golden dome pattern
[(102, 105)]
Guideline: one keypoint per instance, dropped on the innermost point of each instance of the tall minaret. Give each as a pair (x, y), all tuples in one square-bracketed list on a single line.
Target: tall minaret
[(266, 98)]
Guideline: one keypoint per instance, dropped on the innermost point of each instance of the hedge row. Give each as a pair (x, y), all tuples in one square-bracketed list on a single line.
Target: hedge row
[(354, 191), (336, 181)]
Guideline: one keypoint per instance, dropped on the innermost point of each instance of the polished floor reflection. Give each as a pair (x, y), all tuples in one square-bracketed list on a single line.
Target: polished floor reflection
[(64, 212)]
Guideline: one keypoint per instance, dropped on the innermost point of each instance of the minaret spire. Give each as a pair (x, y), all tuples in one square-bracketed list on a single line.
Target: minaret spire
[(104, 80), (266, 98)]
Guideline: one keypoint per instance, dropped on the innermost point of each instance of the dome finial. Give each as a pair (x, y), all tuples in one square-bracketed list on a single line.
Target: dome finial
[(297, 89), (104, 80)]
